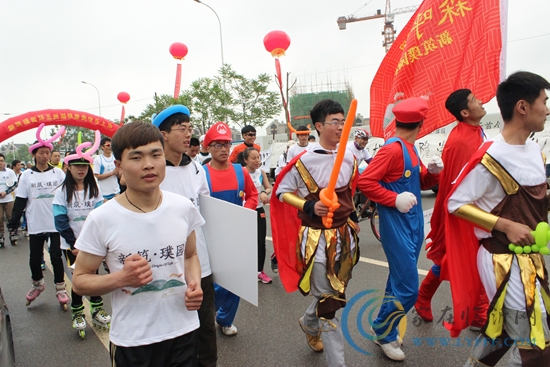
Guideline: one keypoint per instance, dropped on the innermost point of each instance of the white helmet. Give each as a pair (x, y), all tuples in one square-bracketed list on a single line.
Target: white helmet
[(360, 133)]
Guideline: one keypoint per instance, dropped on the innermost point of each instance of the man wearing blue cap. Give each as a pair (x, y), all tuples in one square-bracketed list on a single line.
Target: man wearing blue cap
[(187, 178), (394, 179)]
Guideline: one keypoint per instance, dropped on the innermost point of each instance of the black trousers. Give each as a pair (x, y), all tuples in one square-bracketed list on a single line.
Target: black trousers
[(207, 346), (76, 299), (262, 232), (177, 352), (36, 244)]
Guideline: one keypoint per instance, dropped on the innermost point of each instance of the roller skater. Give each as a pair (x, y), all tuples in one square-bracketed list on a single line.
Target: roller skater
[(170, 314), (61, 295), (73, 201), (37, 288), (100, 318), (8, 184), (34, 195), (79, 322)]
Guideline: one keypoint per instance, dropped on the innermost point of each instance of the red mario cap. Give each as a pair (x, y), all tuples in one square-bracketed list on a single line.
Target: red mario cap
[(218, 131), (411, 110)]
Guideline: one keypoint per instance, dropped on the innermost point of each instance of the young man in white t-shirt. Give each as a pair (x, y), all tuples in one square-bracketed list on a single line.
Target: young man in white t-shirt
[(35, 197), (8, 183), (302, 132), (105, 170), (155, 271), (186, 177)]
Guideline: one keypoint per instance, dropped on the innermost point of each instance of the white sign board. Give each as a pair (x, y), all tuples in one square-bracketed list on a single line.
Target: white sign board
[(231, 237)]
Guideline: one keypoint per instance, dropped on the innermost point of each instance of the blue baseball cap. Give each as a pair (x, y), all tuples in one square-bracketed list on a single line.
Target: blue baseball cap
[(178, 108)]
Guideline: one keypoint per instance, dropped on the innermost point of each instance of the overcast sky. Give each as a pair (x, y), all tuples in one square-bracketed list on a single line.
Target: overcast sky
[(47, 47)]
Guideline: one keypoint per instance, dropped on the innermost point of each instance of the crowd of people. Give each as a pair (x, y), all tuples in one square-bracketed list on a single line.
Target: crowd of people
[(149, 177)]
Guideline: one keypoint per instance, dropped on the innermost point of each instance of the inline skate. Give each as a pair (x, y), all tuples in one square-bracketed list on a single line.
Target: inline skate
[(37, 288), (79, 322), (100, 318), (14, 236), (61, 295)]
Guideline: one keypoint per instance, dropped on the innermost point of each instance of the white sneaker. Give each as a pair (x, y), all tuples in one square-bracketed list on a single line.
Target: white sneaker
[(392, 350), (229, 330)]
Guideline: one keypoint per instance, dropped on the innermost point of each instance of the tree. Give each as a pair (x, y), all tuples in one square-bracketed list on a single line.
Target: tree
[(251, 102), (228, 97), (23, 153), (208, 103), (160, 103)]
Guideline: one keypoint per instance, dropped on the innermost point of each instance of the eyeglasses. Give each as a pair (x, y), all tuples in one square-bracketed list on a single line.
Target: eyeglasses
[(250, 134), (220, 145), (107, 145), (335, 122), (183, 128)]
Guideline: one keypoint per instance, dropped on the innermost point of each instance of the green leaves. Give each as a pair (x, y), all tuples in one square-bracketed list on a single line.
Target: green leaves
[(228, 97)]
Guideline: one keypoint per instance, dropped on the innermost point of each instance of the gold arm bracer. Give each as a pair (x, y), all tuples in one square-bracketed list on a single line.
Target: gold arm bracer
[(477, 216), (293, 200)]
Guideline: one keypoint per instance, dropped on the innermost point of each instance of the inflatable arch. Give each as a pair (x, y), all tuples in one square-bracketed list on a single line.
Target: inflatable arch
[(30, 120)]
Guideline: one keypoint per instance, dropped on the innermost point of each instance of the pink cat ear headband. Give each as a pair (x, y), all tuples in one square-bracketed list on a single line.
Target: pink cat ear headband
[(45, 143), (84, 157)]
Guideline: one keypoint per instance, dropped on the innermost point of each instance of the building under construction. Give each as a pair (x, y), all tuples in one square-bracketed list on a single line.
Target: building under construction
[(305, 97)]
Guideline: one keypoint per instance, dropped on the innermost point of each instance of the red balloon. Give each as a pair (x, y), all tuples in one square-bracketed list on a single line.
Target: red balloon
[(123, 97), (178, 50), (276, 42)]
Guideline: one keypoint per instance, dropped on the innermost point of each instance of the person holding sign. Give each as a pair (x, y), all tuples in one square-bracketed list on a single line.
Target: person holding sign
[(394, 179), (230, 182), (327, 254)]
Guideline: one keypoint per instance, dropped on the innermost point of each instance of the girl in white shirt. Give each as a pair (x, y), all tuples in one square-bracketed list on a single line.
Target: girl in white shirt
[(253, 162), (73, 201)]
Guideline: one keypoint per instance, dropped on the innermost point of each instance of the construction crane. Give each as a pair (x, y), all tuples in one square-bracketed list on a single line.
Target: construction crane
[(389, 15)]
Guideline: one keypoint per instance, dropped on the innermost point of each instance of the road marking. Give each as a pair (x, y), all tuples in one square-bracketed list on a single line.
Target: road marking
[(103, 335), (372, 261)]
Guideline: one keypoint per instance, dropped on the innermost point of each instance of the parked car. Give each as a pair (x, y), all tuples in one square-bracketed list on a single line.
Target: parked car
[(7, 352)]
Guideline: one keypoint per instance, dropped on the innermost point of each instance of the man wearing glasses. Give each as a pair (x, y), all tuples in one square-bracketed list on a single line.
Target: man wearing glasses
[(231, 183), (187, 178), (105, 170), (326, 255), (249, 135)]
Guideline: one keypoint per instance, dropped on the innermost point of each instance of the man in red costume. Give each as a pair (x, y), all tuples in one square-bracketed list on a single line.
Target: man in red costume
[(394, 180), (503, 193), (463, 141)]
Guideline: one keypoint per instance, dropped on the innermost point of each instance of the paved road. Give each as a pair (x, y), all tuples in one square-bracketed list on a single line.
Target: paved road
[(269, 334)]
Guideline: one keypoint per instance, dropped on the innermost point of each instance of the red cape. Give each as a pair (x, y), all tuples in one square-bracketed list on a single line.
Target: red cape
[(459, 264), (462, 143), (284, 231)]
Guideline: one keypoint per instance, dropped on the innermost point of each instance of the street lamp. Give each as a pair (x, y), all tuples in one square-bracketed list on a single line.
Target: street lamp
[(98, 98), (220, 23)]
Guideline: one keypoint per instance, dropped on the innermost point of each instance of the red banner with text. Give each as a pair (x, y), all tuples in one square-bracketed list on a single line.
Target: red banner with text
[(447, 45)]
